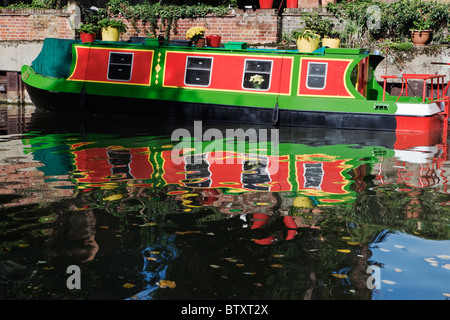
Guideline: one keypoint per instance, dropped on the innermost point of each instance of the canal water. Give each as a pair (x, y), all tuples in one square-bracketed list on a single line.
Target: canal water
[(135, 209)]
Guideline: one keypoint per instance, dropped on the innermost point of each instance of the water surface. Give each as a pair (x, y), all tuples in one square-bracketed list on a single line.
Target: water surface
[(309, 214)]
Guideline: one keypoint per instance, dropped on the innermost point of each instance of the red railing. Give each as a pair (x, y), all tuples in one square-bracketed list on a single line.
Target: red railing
[(405, 77)]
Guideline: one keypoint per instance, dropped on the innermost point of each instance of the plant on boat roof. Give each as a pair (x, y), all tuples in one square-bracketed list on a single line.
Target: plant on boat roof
[(88, 28), (257, 81), (118, 24), (195, 33), (305, 34)]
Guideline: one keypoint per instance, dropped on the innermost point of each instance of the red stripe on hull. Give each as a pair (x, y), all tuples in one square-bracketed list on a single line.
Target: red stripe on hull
[(418, 131)]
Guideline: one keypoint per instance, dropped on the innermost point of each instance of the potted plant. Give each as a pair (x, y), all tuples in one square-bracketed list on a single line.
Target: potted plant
[(88, 32), (421, 33), (111, 29), (307, 40), (331, 41), (197, 35)]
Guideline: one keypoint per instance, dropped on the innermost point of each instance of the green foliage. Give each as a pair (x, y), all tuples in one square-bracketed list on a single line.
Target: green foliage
[(118, 24), (158, 17), (369, 19), (89, 28)]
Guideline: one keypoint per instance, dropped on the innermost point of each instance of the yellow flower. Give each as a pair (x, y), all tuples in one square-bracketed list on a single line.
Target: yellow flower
[(195, 33)]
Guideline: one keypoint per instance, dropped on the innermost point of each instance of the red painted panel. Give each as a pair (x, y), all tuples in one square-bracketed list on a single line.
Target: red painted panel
[(92, 65), (228, 71), (335, 81)]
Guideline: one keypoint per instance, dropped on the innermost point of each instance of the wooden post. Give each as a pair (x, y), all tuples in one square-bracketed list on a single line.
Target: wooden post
[(14, 87)]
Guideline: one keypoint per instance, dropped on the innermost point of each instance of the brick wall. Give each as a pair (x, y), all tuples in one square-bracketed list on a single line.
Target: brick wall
[(27, 24), (253, 26)]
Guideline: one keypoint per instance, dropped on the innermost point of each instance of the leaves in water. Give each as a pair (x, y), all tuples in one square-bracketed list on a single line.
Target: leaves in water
[(186, 232), (276, 265), (113, 197), (148, 224), (128, 285), (339, 275), (166, 284), (344, 250)]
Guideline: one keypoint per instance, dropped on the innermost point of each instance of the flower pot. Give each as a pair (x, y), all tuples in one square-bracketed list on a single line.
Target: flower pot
[(200, 42), (110, 34), (87, 37), (292, 3), (331, 43), (213, 40), (307, 44), (420, 38), (266, 4)]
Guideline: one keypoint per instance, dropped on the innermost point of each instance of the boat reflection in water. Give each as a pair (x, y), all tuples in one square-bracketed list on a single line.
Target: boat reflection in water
[(266, 187)]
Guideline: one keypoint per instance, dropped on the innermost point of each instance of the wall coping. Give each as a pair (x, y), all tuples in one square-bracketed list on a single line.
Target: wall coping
[(27, 12)]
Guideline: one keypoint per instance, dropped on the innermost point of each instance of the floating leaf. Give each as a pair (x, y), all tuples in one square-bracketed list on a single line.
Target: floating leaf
[(104, 227), (167, 284), (147, 224), (385, 250), (398, 246), (352, 243), (151, 258), (446, 294), (231, 259), (113, 197), (215, 266), (240, 264), (397, 270), (249, 273), (186, 232), (339, 275), (443, 256), (128, 285), (48, 268), (23, 245), (276, 265), (346, 238), (446, 266), (278, 255), (389, 282), (344, 250)]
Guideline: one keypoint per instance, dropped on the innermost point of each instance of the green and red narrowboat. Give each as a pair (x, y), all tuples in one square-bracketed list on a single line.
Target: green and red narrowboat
[(332, 88)]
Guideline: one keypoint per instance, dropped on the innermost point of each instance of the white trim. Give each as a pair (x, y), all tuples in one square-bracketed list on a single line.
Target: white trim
[(262, 72), (120, 64), (417, 109), (186, 69), (315, 75)]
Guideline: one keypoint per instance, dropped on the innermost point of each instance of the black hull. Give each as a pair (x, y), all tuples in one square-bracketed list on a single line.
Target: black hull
[(83, 103)]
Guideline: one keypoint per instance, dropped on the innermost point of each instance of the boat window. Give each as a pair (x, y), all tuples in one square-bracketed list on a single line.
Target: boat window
[(120, 66), (198, 71), (317, 74), (257, 74)]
